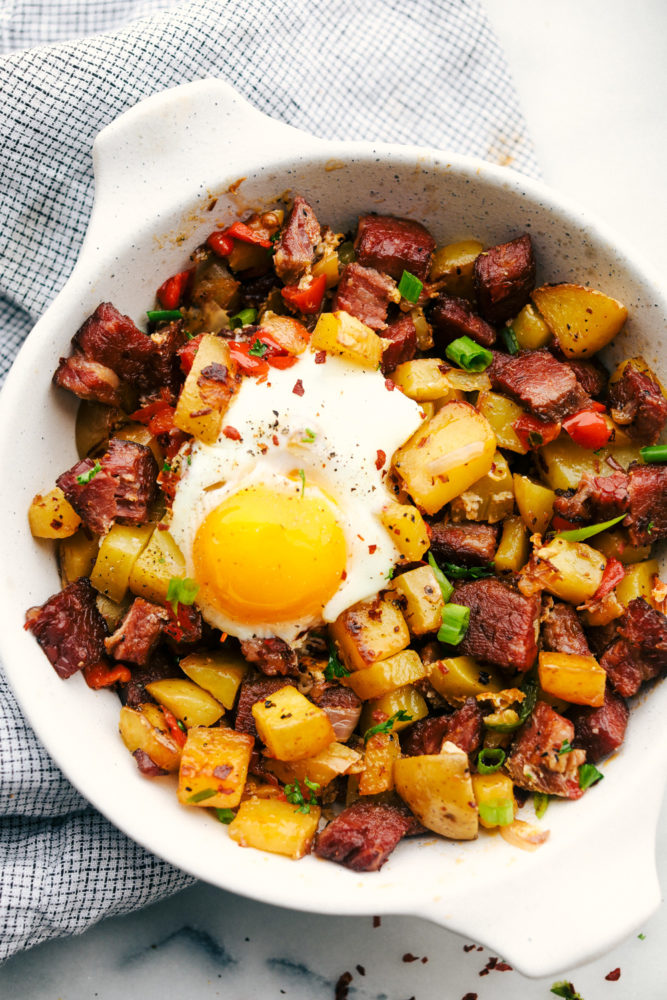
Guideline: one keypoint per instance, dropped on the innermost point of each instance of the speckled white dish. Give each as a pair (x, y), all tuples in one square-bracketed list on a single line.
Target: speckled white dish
[(157, 169)]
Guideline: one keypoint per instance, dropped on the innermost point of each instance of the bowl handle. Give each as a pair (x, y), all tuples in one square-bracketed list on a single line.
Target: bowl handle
[(170, 141), (590, 896)]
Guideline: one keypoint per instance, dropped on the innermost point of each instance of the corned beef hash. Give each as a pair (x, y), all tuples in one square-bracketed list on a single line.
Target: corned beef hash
[(361, 534)]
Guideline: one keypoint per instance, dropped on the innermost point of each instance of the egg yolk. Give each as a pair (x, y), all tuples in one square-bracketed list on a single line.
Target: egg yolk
[(263, 556)]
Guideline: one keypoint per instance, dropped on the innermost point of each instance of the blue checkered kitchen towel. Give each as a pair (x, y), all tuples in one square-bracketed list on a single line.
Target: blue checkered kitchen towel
[(414, 71)]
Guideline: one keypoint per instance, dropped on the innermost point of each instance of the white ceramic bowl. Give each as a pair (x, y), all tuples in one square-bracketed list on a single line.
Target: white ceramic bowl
[(157, 169)]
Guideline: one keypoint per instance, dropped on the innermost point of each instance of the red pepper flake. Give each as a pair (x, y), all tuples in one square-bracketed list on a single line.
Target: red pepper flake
[(320, 357), (298, 389), (343, 575), (56, 524), (343, 986), (409, 957), (231, 433), (377, 921), (613, 976), (389, 385), (380, 459), (424, 959), (466, 947), (372, 549)]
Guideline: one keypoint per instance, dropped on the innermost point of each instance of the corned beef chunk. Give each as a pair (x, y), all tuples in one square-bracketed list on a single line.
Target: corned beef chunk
[(159, 668), (597, 498), (69, 628), (425, 736), (549, 388), (394, 245), (363, 836), (452, 317), (365, 293), (465, 727), (638, 405), (503, 624), (88, 380), (646, 628), (113, 340), (626, 668), (647, 495), (273, 656), (255, 291), (167, 340), (402, 337), (534, 762), (468, 543), (295, 249), (185, 628), (599, 731), (562, 631), (252, 691), (147, 765), (139, 632), (504, 278), (590, 375), (122, 485), (343, 708)]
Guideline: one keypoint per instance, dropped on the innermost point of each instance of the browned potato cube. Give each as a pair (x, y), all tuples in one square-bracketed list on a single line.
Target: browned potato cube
[(438, 789), (290, 726), (52, 516), (387, 675), (207, 391), (407, 529), (144, 728), (423, 599), (369, 631), (334, 760), (214, 765), (382, 749), (275, 826)]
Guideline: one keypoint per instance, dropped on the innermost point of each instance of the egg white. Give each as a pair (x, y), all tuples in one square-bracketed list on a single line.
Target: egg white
[(352, 417)]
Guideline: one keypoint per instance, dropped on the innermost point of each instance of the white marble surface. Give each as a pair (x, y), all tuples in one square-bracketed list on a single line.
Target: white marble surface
[(592, 79)]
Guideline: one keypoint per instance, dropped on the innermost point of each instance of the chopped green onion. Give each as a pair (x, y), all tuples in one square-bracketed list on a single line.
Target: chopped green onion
[(468, 572), (410, 287), (346, 254), (579, 534), (654, 453), (540, 803), (566, 991), (490, 760), (455, 621), (163, 315), (86, 477), (294, 794), (497, 812), (181, 590), (443, 582), (243, 318), (258, 349), (308, 436), (206, 793), (565, 747), (225, 815), (465, 352), (588, 775), (386, 727), (334, 667), (509, 336), (302, 477), (390, 573)]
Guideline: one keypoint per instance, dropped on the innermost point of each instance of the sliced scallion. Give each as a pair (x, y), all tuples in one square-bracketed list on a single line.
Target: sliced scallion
[(455, 621), (654, 453), (588, 775), (443, 582), (497, 812), (465, 352), (225, 815), (163, 315), (580, 534), (490, 760), (540, 803), (243, 318), (206, 793), (509, 336), (410, 287)]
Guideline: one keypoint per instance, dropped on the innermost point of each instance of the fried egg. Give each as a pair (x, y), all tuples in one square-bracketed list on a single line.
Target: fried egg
[(279, 520)]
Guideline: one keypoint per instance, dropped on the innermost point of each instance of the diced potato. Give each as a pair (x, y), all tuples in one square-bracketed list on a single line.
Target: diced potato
[(407, 528), (564, 463), (382, 749), (429, 410), (52, 516), (423, 379), (291, 335), (76, 555), (494, 795), (501, 413), (118, 552), (423, 599), (535, 503), (615, 544), (465, 381), (422, 329), (214, 761), (569, 570), (344, 335), (387, 675), (446, 455), (460, 677), (275, 826), (576, 679), (638, 582), (490, 499), (155, 566), (438, 790), (530, 329), (603, 611), (452, 266), (94, 424), (219, 672), (582, 319), (369, 631), (201, 407), (513, 551), (144, 728), (140, 434), (406, 699), (187, 701), (334, 760), (290, 726)]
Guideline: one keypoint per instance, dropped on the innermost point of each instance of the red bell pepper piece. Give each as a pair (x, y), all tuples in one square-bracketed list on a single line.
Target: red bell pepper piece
[(221, 243), (305, 300), (240, 231), (534, 433), (614, 572), (588, 429), (282, 361), (174, 729), (101, 675), (186, 353), (158, 415), (169, 294), (559, 523), (598, 407), (249, 365)]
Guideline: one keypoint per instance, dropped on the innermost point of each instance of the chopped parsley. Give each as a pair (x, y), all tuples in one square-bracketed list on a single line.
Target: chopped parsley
[(206, 793), (566, 991), (642, 937), (181, 590), (86, 477), (386, 727), (649, 527), (258, 349), (334, 667), (225, 815), (302, 477), (295, 795), (166, 466), (468, 572), (588, 775), (565, 747), (308, 436)]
